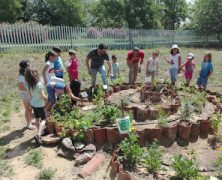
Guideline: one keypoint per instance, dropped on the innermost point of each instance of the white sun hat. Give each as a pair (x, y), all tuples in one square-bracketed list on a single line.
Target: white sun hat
[(190, 55), (175, 47)]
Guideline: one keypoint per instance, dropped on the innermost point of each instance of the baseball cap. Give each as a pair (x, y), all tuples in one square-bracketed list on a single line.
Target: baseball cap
[(72, 51), (190, 55)]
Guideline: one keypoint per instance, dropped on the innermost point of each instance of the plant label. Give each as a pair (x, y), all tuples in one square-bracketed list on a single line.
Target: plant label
[(123, 124)]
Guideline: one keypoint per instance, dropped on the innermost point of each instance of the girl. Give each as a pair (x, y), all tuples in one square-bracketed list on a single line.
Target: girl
[(205, 72), (24, 94), (115, 67), (152, 66), (175, 61), (72, 66), (48, 71), (189, 68), (37, 100)]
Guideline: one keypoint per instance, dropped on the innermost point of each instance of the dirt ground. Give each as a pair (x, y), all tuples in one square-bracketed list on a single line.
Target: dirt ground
[(19, 139)]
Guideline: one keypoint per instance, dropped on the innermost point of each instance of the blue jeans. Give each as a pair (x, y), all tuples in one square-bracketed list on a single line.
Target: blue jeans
[(202, 81), (102, 72), (173, 74)]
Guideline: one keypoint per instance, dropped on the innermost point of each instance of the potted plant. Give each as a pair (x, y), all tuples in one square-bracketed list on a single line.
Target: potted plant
[(215, 120), (169, 132), (184, 127)]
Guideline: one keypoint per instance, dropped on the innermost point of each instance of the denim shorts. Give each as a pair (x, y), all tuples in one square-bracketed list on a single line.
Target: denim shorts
[(202, 81), (39, 112), (51, 93), (173, 74)]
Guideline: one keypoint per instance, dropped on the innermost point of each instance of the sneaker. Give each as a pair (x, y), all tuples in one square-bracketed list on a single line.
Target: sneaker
[(38, 140), (30, 127)]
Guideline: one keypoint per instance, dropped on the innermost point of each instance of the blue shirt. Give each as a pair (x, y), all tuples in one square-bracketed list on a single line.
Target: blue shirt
[(58, 65), (206, 69)]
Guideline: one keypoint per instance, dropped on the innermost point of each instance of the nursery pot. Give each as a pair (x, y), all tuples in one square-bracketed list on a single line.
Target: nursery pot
[(204, 128), (123, 136), (142, 136), (116, 89), (89, 136), (184, 130), (113, 135), (153, 134), (142, 114), (58, 128), (124, 87), (155, 98), (174, 107), (169, 134), (195, 131), (153, 114), (51, 127), (100, 136)]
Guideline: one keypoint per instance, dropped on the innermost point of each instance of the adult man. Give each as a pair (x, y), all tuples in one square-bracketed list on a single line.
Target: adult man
[(97, 57), (134, 57)]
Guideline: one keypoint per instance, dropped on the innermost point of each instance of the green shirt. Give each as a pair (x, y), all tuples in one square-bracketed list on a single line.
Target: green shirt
[(36, 98)]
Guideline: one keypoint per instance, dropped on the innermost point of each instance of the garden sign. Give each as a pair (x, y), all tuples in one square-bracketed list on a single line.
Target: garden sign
[(123, 124)]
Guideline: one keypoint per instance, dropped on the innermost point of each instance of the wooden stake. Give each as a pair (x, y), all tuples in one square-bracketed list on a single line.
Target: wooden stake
[(122, 108)]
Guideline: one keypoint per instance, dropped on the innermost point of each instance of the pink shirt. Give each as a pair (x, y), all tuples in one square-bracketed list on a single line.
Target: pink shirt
[(137, 58), (73, 69)]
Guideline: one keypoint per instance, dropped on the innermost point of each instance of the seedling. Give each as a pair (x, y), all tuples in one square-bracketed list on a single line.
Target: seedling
[(215, 123), (186, 110), (218, 165), (153, 159), (6, 169), (131, 150), (34, 158), (46, 174), (186, 168), (162, 120)]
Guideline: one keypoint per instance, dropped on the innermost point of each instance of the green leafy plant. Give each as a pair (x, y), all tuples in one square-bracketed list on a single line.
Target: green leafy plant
[(153, 159), (218, 165), (46, 174), (186, 110), (34, 158), (215, 123), (186, 168), (110, 113), (6, 169), (131, 150), (162, 120), (116, 82), (220, 99), (98, 95)]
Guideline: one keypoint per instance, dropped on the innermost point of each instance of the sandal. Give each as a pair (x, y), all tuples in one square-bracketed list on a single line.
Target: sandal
[(38, 140)]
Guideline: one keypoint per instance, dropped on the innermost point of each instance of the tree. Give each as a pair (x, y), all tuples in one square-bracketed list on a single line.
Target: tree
[(10, 10), (174, 12), (207, 17), (130, 13), (59, 12)]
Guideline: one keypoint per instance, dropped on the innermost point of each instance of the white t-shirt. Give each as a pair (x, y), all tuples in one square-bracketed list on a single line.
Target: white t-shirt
[(49, 71), (152, 64), (175, 59)]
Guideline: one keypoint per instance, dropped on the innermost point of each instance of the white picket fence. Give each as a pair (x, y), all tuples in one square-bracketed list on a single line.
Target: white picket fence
[(33, 38)]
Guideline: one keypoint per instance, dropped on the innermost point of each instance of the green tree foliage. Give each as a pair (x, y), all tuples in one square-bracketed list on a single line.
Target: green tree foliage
[(59, 12), (129, 13), (174, 12), (207, 17), (10, 10)]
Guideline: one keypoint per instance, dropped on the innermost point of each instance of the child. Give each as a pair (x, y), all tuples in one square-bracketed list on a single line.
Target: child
[(56, 89), (24, 94), (72, 66), (115, 68), (205, 72), (48, 71), (189, 68), (152, 66), (175, 61), (58, 64), (37, 100)]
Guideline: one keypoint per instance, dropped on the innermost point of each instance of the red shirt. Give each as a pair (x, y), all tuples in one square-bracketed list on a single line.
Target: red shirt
[(137, 58), (73, 69)]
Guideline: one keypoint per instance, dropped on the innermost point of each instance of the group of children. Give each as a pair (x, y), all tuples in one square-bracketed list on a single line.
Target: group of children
[(34, 98), (32, 89)]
